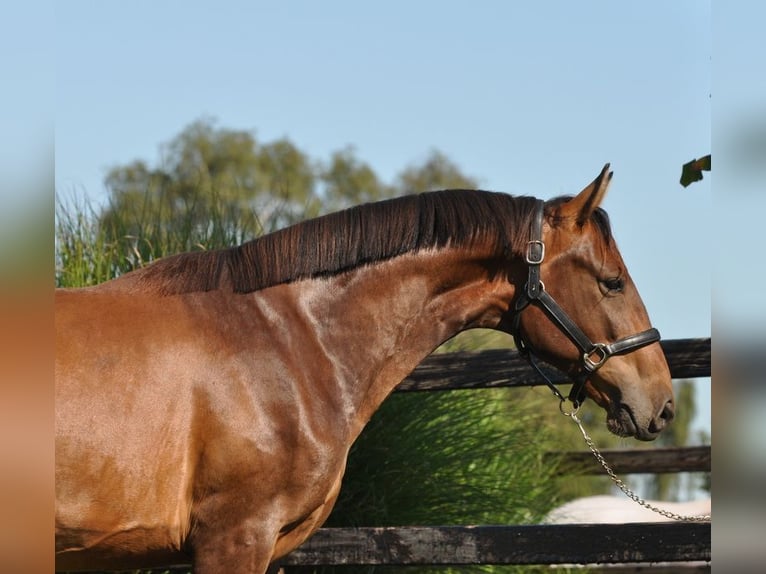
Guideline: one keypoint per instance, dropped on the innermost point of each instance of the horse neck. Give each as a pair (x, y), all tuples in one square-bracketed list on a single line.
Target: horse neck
[(377, 323)]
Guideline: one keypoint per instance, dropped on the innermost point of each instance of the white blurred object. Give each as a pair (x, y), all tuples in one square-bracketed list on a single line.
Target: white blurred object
[(607, 509)]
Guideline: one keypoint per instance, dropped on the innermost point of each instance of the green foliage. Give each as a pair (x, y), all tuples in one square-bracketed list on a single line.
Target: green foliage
[(212, 185), (349, 181), (83, 253), (437, 172), (446, 458), (94, 246)]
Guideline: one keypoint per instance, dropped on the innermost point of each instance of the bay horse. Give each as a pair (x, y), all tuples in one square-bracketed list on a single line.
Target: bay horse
[(206, 403)]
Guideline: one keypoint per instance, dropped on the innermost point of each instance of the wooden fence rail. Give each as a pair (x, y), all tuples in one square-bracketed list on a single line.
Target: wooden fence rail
[(658, 460), (687, 358), (494, 545)]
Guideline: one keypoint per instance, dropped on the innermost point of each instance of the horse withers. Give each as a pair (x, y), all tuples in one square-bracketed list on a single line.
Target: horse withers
[(205, 404)]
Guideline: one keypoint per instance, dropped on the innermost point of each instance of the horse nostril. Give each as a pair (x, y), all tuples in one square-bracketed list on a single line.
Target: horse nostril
[(664, 418), (668, 412)]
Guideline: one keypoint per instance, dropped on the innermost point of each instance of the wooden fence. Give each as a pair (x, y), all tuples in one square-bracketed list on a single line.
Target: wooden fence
[(531, 544)]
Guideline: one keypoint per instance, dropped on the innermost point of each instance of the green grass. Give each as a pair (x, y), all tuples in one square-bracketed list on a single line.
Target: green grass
[(447, 458)]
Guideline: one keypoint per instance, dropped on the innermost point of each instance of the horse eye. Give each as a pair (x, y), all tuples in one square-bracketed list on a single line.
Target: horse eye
[(615, 284)]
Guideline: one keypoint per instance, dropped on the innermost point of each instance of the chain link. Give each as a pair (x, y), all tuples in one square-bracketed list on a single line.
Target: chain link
[(620, 484)]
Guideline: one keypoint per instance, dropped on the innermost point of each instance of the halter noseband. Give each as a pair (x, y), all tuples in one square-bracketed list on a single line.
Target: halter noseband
[(594, 355)]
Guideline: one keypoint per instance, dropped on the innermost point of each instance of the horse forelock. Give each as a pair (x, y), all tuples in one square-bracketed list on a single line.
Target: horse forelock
[(361, 235)]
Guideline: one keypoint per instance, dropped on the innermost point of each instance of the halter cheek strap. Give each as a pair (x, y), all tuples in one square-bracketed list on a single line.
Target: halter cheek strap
[(593, 355)]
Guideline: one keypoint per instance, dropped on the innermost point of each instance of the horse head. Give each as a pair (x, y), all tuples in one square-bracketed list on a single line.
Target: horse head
[(578, 290)]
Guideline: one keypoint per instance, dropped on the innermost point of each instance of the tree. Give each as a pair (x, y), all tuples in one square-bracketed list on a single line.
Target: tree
[(349, 181), (436, 172), (213, 187)]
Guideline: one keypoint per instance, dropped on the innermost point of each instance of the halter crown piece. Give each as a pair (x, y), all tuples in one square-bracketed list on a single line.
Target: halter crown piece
[(593, 355)]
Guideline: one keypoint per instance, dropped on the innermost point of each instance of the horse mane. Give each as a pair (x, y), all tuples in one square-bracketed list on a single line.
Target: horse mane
[(341, 241)]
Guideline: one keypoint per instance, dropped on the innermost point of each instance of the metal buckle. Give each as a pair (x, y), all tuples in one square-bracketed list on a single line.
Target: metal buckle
[(599, 350), (529, 257)]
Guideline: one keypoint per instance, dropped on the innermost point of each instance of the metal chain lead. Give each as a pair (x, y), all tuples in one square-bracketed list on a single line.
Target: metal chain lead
[(620, 484)]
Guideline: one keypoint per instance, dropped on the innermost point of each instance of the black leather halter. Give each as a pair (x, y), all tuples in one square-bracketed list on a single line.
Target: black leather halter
[(594, 355)]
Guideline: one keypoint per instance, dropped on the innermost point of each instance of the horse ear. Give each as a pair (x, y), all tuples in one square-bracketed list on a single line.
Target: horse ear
[(580, 207)]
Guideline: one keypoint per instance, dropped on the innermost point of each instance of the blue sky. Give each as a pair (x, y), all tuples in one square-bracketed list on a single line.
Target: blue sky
[(527, 97)]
